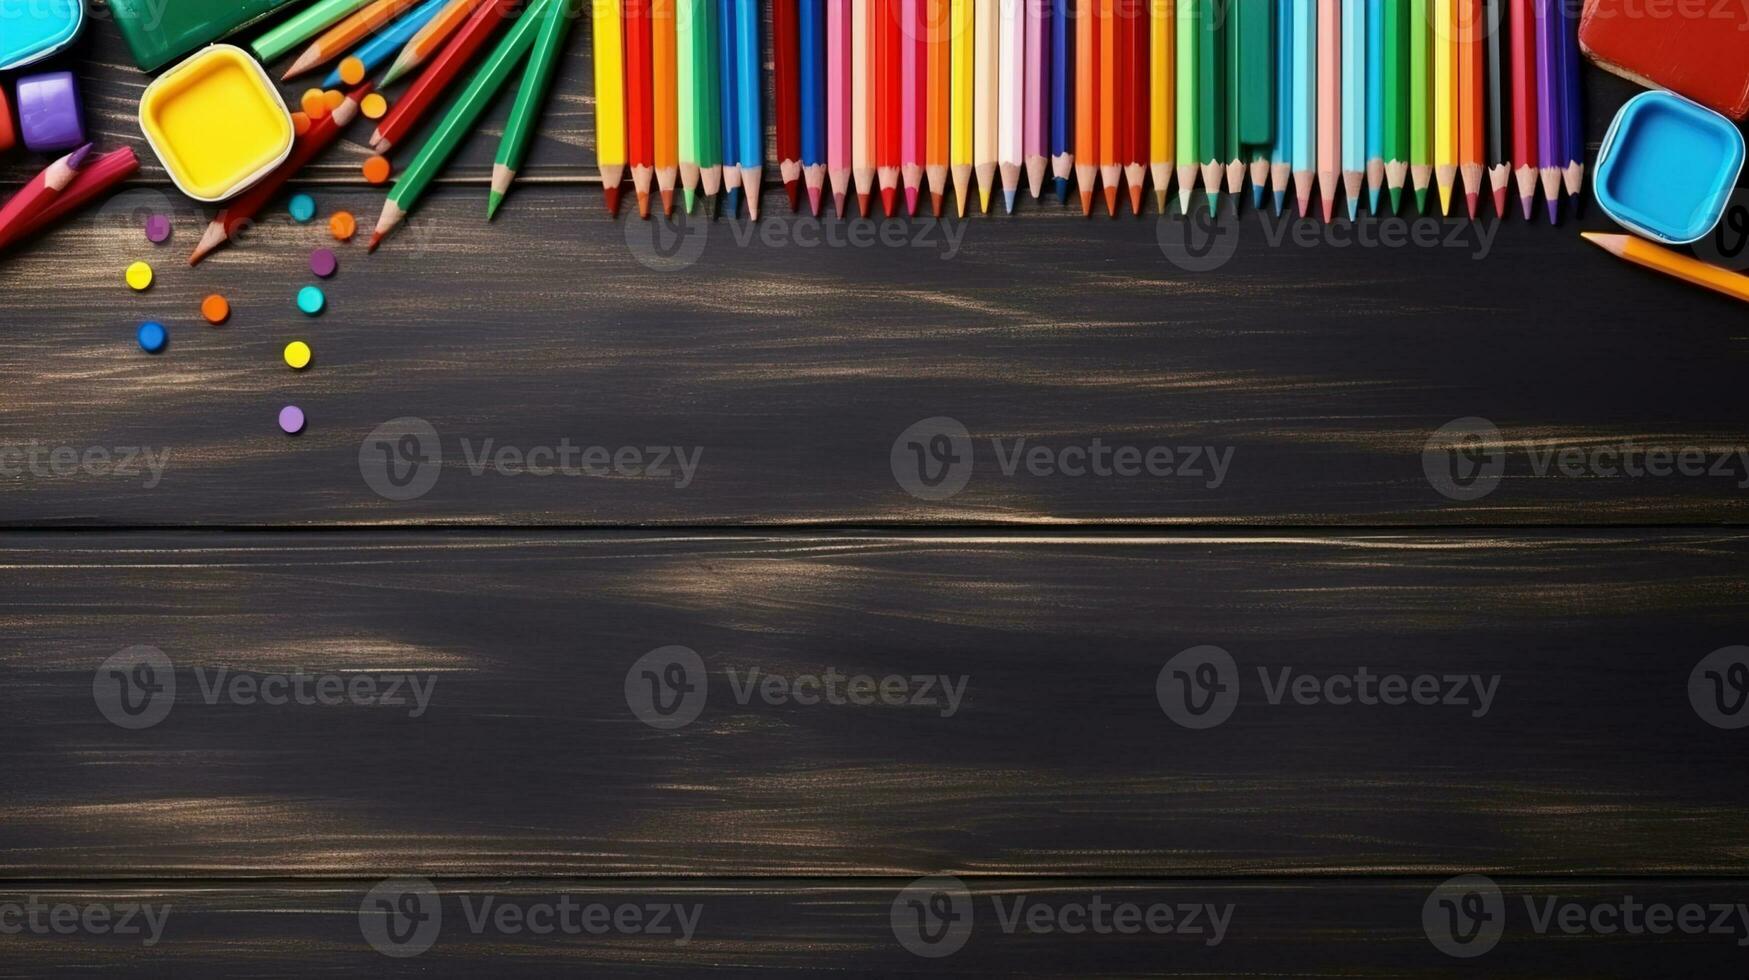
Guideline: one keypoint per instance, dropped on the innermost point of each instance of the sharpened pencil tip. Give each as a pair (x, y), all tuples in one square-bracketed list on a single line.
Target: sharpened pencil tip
[(688, 199), (1214, 203), (644, 205), (1499, 202), (1396, 199), (935, 203), (838, 203), (814, 201), (1111, 200), (984, 200), (668, 202), (376, 238), (1353, 209), (862, 203), (1257, 197), (612, 196), (493, 199), (733, 206), (1421, 200), (1445, 200), (1062, 190), (1008, 200), (1087, 204), (888, 196), (1554, 206), (1470, 202), (1372, 200), (1280, 201), (793, 192)]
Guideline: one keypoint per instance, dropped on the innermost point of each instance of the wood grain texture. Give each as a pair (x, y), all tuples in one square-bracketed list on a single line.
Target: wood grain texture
[(1340, 928), (1057, 760), (795, 367)]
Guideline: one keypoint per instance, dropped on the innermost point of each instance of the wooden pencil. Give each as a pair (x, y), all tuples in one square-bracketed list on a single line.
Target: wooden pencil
[(707, 74), (1086, 102), (39, 193), (442, 71), (686, 95), (1472, 109), (1305, 101), (749, 66), (862, 132), (1036, 128), (888, 98), (1062, 96), (384, 45), (1138, 107), (986, 79), (839, 112), (728, 100), (1231, 103), (1010, 99), (1375, 102), (1210, 102), (342, 37), (1445, 100), (242, 209), (664, 101), (640, 101), (1549, 109), (531, 94), (913, 63), (1573, 102), (1329, 103), (1257, 96), (1354, 123), (811, 40), (1497, 144), (302, 26), (1420, 100), (938, 94), (1524, 101), (97, 178), (1281, 169), (1659, 259), (786, 97), (610, 99), (429, 39), (1162, 100), (1396, 99), (962, 139)]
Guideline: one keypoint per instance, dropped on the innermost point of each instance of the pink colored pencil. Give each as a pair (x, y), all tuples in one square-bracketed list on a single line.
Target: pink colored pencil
[(1034, 132), (911, 101), (838, 100), (1329, 102)]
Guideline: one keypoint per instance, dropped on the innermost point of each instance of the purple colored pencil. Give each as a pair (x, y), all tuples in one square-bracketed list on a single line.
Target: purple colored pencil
[(1549, 149)]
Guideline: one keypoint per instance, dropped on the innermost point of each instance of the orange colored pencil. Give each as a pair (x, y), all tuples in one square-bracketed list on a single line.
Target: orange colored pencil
[(1472, 100), (1086, 102), (665, 100), (1110, 62), (421, 46), (938, 99), (342, 37), (413, 104)]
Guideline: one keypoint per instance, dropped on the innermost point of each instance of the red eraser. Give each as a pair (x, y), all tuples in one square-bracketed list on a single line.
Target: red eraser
[(1704, 57), (8, 132)]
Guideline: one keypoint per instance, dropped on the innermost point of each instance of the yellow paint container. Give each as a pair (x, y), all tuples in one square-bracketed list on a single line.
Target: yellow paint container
[(216, 122)]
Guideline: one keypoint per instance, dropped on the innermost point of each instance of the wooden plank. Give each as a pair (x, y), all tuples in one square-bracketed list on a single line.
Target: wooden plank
[(1575, 748), (796, 928), (796, 363)]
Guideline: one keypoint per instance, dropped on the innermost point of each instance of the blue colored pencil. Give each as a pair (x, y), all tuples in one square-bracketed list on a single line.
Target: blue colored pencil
[(1281, 155), (811, 29), (1573, 105), (1305, 101), (1062, 97), (379, 49), (1375, 102), (749, 94), (727, 76), (1354, 83)]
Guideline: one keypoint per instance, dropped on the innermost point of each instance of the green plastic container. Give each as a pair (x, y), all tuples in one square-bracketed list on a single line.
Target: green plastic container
[(160, 32)]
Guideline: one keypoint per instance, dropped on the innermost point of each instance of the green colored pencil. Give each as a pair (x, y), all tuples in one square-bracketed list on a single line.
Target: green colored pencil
[(460, 119), (1396, 146), (1184, 43), (1255, 45), (307, 24), (530, 96), (1211, 107), (686, 97), (1420, 103), (709, 116)]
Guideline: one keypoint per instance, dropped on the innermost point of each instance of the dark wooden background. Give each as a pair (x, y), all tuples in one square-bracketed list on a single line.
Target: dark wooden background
[(1323, 366)]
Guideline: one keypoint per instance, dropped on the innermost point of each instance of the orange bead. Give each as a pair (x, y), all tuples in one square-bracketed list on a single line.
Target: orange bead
[(342, 226), (377, 170), (216, 309), (300, 123), (374, 106), (315, 104), (352, 71)]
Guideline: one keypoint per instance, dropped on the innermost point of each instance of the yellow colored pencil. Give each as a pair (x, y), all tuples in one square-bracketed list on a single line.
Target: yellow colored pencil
[(1160, 95), (1445, 90), (959, 144), (1686, 268), (610, 99)]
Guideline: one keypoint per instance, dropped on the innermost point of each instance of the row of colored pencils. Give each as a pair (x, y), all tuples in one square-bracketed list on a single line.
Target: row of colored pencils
[(909, 100)]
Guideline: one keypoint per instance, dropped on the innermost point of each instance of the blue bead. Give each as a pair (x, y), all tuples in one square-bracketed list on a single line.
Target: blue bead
[(153, 336), (303, 208)]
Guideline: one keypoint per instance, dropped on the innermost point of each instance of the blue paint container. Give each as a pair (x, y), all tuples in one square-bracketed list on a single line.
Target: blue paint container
[(1667, 167), (36, 29)]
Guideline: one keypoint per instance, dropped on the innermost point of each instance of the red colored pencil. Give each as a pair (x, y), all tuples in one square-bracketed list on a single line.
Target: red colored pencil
[(439, 73), (1522, 36), (1136, 106), (888, 102), (787, 94), (36, 196), (640, 102), (239, 212), (99, 175)]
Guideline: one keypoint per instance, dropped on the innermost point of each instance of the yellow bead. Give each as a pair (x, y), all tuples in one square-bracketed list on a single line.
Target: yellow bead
[(297, 354)]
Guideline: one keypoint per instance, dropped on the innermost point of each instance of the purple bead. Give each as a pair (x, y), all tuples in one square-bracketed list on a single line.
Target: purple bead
[(291, 420), (323, 263), (157, 229), (49, 115)]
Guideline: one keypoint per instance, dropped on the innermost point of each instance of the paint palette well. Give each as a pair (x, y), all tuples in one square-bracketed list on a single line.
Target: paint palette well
[(216, 122), (1667, 167)]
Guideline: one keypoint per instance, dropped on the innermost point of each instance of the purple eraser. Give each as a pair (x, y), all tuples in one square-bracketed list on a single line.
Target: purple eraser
[(49, 115)]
